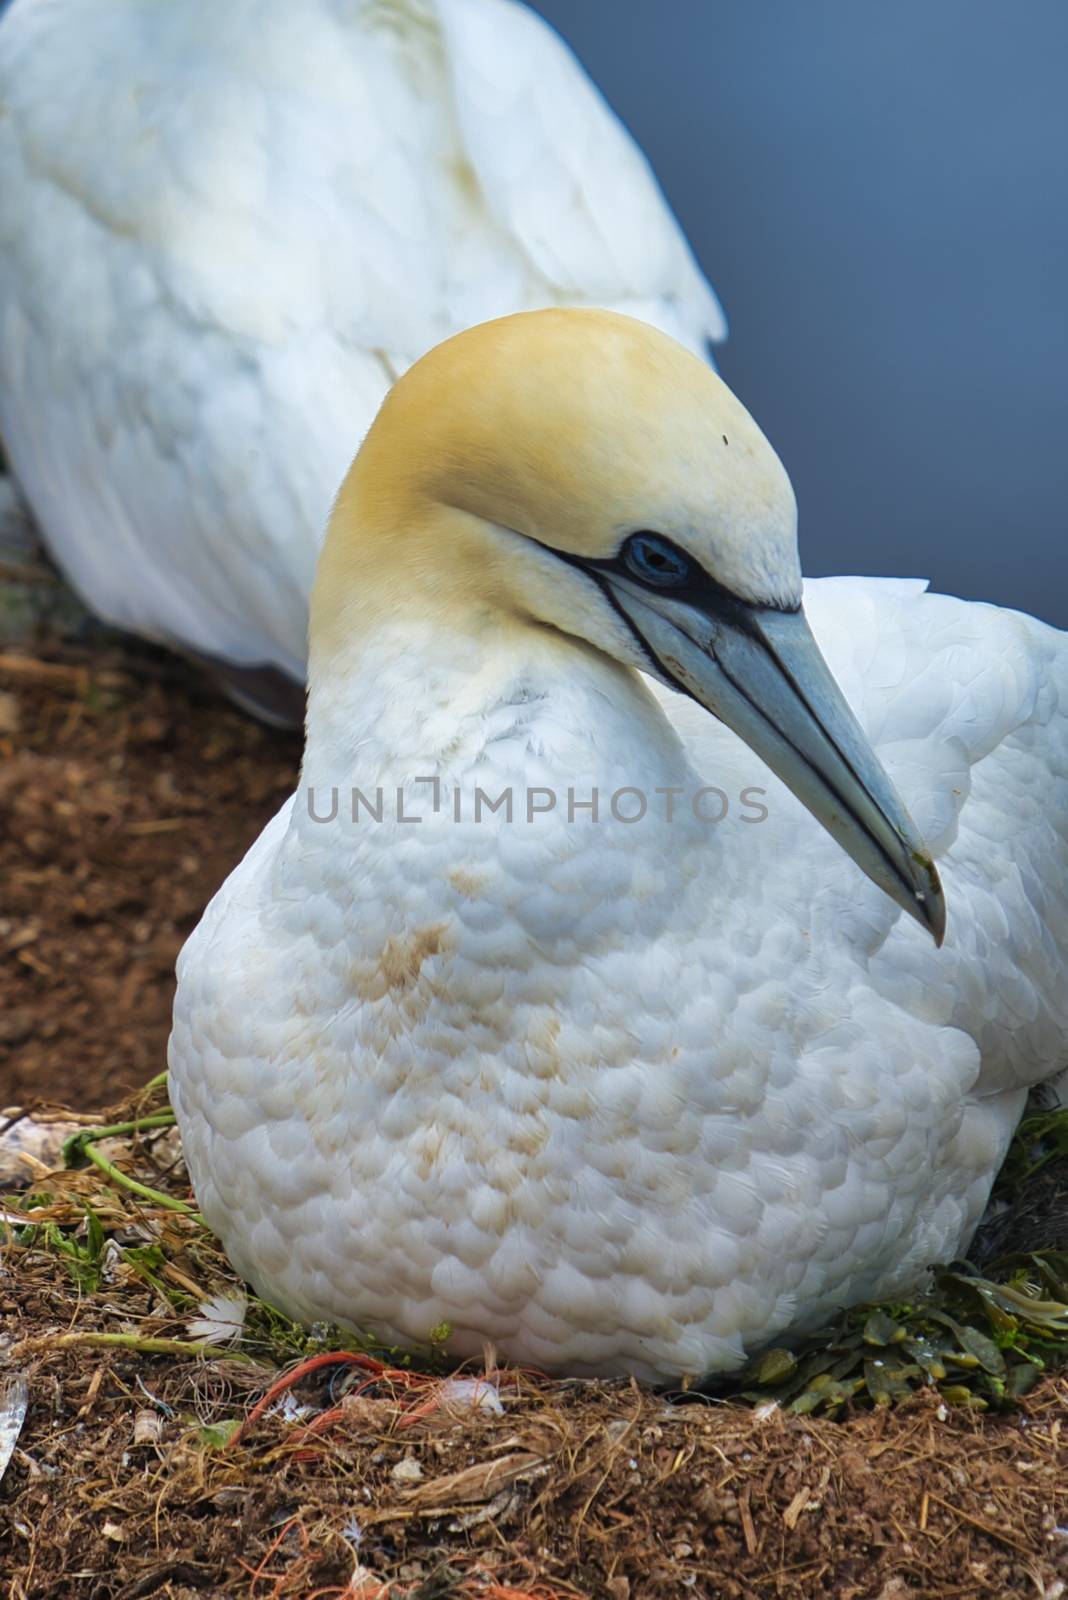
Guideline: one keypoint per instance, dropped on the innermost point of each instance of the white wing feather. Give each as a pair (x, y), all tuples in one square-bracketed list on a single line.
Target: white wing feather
[(967, 707), (225, 229)]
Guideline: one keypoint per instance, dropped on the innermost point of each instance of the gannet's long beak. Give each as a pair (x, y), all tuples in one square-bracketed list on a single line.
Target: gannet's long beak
[(761, 672)]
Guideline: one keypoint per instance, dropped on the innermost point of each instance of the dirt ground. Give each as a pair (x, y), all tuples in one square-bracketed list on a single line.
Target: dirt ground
[(128, 790), (600, 1492)]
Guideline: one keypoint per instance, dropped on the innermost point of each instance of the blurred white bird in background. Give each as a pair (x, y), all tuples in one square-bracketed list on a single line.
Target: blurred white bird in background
[(225, 229)]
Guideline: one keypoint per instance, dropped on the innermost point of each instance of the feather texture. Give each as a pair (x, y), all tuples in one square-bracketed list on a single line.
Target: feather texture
[(629, 1098)]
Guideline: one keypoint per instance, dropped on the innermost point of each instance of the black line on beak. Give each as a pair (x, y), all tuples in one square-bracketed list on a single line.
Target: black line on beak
[(718, 604)]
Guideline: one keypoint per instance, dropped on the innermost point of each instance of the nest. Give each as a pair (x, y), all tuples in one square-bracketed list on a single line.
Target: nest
[(182, 1438)]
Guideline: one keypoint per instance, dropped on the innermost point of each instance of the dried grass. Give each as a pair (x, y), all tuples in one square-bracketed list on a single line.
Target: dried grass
[(152, 1464)]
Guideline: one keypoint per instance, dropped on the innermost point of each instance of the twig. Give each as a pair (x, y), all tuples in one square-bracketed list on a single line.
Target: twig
[(44, 671), (131, 1341), (984, 1527), (23, 572)]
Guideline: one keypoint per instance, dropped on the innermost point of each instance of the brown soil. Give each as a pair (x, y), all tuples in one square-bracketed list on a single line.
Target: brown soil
[(598, 1491), (128, 790)]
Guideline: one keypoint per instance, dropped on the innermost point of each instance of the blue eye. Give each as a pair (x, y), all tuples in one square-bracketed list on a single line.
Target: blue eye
[(655, 561)]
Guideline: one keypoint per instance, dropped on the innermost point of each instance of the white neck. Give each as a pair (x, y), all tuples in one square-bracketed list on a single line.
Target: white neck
[(417, 697)]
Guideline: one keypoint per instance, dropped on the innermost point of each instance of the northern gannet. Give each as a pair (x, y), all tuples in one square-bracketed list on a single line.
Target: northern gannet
[(622, 1096), (226, 226)]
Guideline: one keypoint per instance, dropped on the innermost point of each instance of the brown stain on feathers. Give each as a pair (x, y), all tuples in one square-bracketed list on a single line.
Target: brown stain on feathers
[(402, 959), (400, 966)]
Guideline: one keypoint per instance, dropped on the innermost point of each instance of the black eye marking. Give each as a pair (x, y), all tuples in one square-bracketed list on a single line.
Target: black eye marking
[(654, 560)]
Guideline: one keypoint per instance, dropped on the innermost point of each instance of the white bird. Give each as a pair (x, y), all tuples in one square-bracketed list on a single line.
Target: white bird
[(622, 1096), (226, 228)]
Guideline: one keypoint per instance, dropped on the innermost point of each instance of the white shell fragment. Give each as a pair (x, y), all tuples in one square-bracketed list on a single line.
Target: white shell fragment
[(14, 1400)]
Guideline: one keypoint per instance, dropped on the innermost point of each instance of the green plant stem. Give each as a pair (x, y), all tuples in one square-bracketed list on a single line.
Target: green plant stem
[(158, 1119), (133, 1341), (142, 1189), (82, 1144)]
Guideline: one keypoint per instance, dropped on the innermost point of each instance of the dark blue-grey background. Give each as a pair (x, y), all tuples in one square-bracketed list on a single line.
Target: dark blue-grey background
[(879, 193)]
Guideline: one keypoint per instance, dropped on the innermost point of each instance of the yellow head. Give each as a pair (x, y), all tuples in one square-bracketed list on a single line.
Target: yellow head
[(579, 470), (573, 428)]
